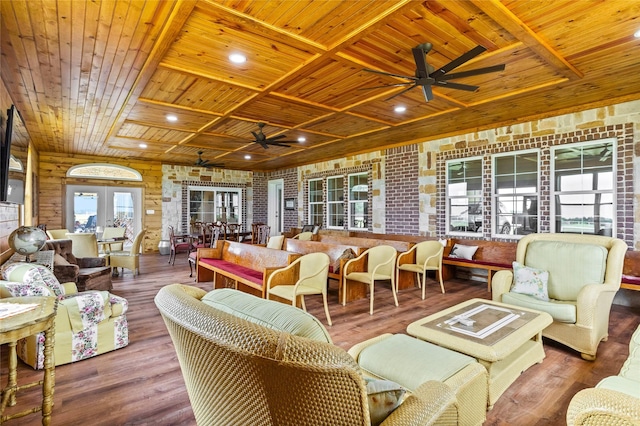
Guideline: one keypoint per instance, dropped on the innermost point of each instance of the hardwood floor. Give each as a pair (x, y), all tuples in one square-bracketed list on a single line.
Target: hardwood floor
[(142, 383)]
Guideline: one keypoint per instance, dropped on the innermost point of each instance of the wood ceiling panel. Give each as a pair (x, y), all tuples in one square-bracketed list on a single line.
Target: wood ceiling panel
[(280, 111), (193, 92), (151, 134), (324, 22), (97, 77), (209, 37), (345, 124), (156, 115)]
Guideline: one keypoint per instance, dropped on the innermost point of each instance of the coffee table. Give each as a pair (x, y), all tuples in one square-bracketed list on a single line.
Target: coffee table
[(506, 339)]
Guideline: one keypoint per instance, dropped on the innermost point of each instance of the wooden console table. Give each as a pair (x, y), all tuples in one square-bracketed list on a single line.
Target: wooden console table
[(16, 327)]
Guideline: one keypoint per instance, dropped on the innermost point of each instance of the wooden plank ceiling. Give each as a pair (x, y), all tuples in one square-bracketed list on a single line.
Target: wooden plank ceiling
[(100, 77)]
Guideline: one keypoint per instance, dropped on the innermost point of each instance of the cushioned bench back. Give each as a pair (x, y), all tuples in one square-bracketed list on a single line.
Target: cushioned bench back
[(254, 256), (571, 266)]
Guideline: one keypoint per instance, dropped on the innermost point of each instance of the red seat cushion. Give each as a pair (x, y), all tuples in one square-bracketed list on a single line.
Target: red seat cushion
[(239, 270)]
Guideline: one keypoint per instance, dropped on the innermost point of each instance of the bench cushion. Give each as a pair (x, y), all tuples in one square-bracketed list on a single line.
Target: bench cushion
[(267, 313), (238, 270), (566, 276), (409, 361)]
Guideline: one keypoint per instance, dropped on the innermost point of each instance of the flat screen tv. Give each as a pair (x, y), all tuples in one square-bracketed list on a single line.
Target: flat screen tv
[(12, 159)]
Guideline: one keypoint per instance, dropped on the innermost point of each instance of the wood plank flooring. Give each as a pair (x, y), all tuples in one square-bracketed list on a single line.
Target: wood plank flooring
[(142, 383)]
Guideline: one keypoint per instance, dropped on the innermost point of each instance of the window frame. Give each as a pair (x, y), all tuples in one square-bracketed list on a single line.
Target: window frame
[(216, 190), (315, 204), (554, 193), (495, 203), (330, 202), (351, 202), (449, 198)]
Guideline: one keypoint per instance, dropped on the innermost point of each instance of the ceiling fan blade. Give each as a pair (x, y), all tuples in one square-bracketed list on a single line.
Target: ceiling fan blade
[(459, 61), (274, 138), (262, 144), (470, 73), (283, 144), (402, 92), (255, 135), (387, 85), (421, 62), (451, 85), (428, 93), (408, 77)]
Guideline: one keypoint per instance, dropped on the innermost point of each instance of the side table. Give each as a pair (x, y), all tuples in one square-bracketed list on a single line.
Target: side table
[(16, 327)]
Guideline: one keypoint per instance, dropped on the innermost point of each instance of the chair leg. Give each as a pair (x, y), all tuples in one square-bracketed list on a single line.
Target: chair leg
[(190, 269), (395, 290), (304, 307), (371, 287), (326, 308), (424, 282), (440, 277)]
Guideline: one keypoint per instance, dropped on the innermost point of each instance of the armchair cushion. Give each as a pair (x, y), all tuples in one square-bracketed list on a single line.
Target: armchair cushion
[(87, 309), (32, 275), (565, 312), (566, 279), (531, 281), (267, 313)]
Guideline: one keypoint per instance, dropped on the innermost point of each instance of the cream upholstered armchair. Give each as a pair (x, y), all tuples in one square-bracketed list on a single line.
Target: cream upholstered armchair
[(379, 262), (286, 370), (421, 258), (304, 276), (84, 244), (57, 234), (573, 277), (129, 259), (87, 323)]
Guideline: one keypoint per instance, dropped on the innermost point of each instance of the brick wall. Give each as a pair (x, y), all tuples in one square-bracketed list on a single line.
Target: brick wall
[(260, 192), (402, 204)]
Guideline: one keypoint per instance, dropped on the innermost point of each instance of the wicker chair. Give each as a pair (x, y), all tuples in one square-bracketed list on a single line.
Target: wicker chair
[(379, 265), (305, 276), (129, 259), (240, 373), (584, 276), (422, 257)]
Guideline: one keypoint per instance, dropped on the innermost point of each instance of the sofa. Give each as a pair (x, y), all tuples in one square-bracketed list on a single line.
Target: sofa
[(573, 278), (87, 323), (247, 360), (615, 400), (89, 273)]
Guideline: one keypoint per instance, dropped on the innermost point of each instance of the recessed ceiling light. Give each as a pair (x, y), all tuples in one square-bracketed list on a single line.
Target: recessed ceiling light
[(247, 157), (302, 139), (400, 109), (637, 34), (237, 58), (172, 118), (143, 145)]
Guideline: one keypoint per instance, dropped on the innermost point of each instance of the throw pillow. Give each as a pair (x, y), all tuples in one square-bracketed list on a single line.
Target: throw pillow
[(384, 396), (346, 255), (443, 241), (59, 260), (531, 281), (463, 252)]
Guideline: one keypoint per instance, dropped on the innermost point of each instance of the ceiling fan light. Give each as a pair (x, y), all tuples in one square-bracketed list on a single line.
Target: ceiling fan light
[(302, 139), (172, 118), (247, 157), (400, 109), (143, 145), (237, 58)]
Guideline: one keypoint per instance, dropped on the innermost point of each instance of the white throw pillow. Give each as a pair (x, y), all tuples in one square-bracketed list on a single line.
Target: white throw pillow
[(530, 281), (384, 396), (463, 252)]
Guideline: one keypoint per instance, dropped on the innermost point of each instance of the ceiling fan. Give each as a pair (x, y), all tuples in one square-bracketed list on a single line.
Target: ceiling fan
[(205, 163), (264, 141), (427, 76)]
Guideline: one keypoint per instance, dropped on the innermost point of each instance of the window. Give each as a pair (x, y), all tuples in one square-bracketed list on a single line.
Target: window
[(316, 202), (583, 188), (515, 193), (464, 196), (335, 202), (358, 200), (211, 205)]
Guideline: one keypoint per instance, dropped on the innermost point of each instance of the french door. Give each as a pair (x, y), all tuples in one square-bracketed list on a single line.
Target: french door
[(92, 208)]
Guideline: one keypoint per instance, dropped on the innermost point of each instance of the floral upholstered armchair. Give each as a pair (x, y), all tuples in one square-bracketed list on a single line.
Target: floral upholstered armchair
[(87, 323)]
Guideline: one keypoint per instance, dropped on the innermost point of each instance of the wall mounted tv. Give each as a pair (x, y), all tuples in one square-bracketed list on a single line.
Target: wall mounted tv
[(13, 157)]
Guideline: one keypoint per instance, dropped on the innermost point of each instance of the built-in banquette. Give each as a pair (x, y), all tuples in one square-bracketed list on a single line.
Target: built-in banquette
[(241, 266)]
